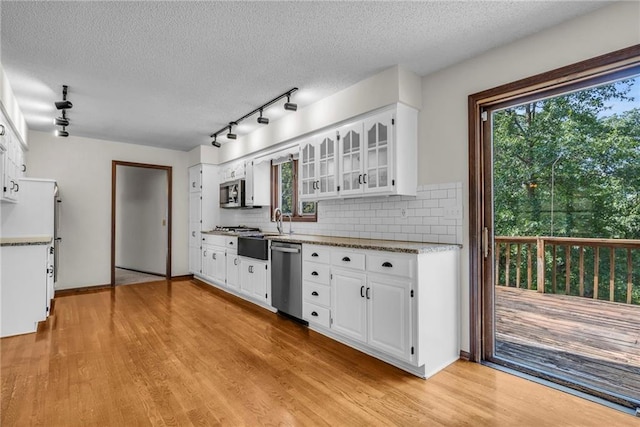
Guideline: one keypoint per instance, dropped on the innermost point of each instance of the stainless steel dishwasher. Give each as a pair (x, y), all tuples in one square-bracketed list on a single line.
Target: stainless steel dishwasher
[(286, 278)]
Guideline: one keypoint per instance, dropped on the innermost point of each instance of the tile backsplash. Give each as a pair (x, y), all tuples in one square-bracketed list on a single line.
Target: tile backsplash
[(433, 215)]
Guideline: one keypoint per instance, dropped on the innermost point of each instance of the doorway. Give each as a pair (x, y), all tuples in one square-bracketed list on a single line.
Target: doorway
[(140, 222), (554, 231)]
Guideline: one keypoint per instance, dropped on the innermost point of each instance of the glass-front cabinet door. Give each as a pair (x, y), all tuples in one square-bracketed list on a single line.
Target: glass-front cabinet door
[(377, 172), (351, 175), (307, 169), (326, 184)]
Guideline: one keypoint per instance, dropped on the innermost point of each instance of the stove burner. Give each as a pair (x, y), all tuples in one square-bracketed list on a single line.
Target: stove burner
[(235, 229)]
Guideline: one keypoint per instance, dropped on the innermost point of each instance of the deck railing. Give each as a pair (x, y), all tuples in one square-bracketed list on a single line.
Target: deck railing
[(606, 269)]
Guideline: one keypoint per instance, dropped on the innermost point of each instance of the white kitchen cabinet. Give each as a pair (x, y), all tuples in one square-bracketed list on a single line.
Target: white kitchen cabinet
[(318, 167), (254, 279), (316, 285), (217, 264), (349, 304), (13, 166), (389, 315), (398, 307), (232, 171), (203, 210), (233, 269), (23, 295), (257, 183)]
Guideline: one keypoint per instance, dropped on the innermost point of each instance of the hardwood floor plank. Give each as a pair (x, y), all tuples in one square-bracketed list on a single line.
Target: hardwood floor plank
[(179, 353)]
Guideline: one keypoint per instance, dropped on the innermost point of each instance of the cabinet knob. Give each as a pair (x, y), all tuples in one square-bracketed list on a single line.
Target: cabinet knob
[(314, 254), (230, 243), (314, 273), (387, 264), (313, 313), (346, 259)]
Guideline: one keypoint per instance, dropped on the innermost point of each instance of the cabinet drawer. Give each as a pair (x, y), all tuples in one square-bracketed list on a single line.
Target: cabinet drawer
[(210, 239), (316, 253), (231, 242), (315, 314), (392, 264), (318, 273), (317, 294), (347, 259)]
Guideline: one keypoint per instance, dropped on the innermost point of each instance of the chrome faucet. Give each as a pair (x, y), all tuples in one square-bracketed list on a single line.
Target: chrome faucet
[(290, 219), (277, 217)]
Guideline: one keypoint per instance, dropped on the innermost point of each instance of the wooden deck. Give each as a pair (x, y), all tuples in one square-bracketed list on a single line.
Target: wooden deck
[(595, 342)]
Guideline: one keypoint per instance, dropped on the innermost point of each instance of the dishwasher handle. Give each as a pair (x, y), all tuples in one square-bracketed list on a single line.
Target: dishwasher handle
[(286, 250)]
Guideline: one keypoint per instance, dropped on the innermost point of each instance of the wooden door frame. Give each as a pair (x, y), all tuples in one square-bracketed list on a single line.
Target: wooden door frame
[(169, 171), (480, 166)]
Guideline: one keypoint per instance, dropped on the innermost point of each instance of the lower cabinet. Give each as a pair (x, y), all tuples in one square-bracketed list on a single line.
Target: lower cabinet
[(349, 304), (254, 279), (389, 315), (233, 269), (401, 308), (23, 295)]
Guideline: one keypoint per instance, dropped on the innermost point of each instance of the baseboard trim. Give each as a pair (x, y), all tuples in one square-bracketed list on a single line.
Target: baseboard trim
[(183, 277), (84, 290), (465, 355), (141, 271)]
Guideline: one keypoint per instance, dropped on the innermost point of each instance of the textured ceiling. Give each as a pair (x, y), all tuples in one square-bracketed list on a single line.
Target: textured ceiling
[(168, 74)]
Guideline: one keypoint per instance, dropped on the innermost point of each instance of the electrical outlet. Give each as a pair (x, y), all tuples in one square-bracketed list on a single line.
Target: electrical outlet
[(403, 212), (453, 212)]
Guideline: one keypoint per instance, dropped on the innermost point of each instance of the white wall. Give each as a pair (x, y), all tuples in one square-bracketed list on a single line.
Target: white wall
[(82, 167), (141, 214), (443, 129)]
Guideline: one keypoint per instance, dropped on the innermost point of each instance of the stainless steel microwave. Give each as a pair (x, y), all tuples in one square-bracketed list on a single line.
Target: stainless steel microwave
[(232, 194)]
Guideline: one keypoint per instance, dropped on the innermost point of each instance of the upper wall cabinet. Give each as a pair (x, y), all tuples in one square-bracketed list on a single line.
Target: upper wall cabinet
[(12, 165), (318, 167), (375, 155), (258, 183), (233, 171)]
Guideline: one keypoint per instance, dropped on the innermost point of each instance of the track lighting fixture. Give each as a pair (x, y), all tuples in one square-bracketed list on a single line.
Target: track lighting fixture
[(290, 106), (63, 121), (231, 135), (263, 120), (64, 104)]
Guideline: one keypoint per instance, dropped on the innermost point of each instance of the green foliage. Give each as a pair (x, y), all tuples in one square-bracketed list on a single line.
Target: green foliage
[(566, 166)]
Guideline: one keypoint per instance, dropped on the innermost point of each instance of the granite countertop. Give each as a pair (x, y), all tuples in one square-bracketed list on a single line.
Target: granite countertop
[(372, 244), (354, 243), (25, 241)]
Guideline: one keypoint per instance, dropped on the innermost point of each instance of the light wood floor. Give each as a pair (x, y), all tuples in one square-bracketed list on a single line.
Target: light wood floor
[(179, 354)]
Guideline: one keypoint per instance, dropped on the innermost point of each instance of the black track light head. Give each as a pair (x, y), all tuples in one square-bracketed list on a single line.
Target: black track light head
[(216, 143), (290, 106), (61, 121), (231, 135), (263, 120), (64, 105), (62, 133)]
